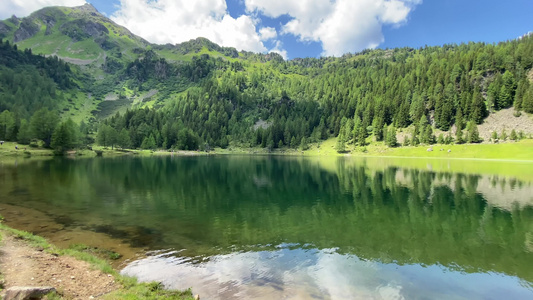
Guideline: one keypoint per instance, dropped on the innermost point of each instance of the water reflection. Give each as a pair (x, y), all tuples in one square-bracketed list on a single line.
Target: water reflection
[(295, 273), (326, 228)]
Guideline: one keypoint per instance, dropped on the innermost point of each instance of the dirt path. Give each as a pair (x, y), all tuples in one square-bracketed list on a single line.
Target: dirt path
[(22, 265)]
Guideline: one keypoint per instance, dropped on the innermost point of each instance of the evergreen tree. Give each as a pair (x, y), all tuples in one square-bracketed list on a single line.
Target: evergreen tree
[(42, 124), (479, 110), (107, 136), (494, 136), (507, 90), (378, 129), (7, 126), (440, 139), (123, 139), (503, 135), (521, 91), (24, 134), (303, 144), (391, 137), (513, 135), (65, 137), (149, 143), (527, 100), (449, 138), (340, 146), (459, 137), (406, 140), (293, 143), (473, 133), (459, 122), (414, 140)]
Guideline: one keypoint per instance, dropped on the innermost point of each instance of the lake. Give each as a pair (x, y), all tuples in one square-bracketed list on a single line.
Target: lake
[(268, 227)]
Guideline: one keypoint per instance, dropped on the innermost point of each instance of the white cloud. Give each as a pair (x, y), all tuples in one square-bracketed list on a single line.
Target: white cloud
[(22, 8), (342, 25), (168, 21), (268, 33), (278, 48)]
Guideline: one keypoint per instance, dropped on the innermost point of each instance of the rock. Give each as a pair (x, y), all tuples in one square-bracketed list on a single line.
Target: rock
[(4, 29), (27, 292), (26, 30)]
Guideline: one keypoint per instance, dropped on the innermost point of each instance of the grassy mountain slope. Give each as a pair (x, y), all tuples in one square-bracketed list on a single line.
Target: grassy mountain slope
[(78, 33), (214, 95), (107, 54)]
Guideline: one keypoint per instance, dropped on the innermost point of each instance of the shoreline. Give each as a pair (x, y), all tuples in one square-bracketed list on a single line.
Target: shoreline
[(509, 151), (74, 273)]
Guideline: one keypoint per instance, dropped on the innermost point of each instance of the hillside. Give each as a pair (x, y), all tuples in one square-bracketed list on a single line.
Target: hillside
[(200, 95), (80, 35)]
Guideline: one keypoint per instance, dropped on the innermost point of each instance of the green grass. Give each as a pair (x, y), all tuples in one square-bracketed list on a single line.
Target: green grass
[(173, 55), (522, 150), (8, 150)]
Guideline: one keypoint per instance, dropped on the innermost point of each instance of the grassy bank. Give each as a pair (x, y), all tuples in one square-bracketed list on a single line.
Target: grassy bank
[(521, 151), (130, 288)]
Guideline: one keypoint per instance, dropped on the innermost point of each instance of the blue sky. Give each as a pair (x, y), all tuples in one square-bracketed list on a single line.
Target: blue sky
[(310, 28)]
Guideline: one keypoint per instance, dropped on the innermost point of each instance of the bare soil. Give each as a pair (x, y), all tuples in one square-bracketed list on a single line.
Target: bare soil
[(23, 265)]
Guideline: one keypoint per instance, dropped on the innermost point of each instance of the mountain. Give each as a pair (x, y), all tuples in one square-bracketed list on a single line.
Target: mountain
[(199, 94), (79, 34), (83, 36)]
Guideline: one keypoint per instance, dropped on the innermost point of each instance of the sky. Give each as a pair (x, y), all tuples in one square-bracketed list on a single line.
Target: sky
[(309, 28)]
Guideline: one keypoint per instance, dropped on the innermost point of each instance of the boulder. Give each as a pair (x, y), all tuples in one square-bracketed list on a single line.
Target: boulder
[(27, 292)]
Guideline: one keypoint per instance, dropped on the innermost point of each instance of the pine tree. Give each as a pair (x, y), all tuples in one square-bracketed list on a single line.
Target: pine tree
[(378, 129), (503, 135), (303, 144), (124, 140), (340, 146), (473, 133), (507, 90), (42, 124), (449, 138), (459, 137), (406, 140), (7, 126), (513, 135), (494, 136), (24, 134), (479, 110), (391, 137), (148, 142), (459, 119), (65, 137), (527, 100), (440, 139)]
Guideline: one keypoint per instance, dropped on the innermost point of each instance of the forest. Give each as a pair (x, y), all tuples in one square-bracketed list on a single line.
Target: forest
[(260, 100)]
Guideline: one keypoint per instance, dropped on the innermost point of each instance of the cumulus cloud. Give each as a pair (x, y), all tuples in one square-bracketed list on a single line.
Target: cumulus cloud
[(268, 33), (22, 8), (342, 25), (176, 21)]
